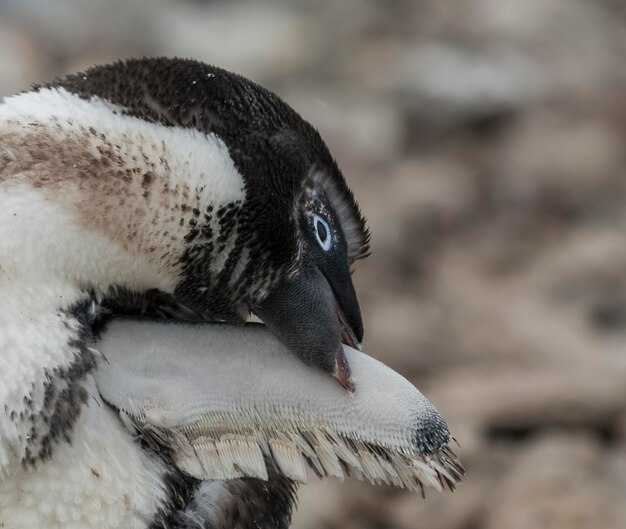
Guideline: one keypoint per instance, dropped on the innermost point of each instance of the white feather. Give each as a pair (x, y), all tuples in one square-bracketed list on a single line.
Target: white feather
[(229, 396)]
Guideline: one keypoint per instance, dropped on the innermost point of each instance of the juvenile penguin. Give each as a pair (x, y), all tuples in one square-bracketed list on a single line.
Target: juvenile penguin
[(163, 187)]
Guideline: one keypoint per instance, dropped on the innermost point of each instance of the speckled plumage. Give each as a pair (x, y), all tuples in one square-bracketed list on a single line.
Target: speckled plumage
[(272, 147)]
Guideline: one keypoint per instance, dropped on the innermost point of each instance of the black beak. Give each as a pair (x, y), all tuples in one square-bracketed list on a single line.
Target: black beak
[(312, 316)]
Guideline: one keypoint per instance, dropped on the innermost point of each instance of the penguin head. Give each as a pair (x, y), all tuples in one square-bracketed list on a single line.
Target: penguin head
[(314, 308), (281, 249)]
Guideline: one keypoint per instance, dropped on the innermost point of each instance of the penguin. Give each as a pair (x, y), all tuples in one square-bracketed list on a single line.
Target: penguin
[(163, 187)]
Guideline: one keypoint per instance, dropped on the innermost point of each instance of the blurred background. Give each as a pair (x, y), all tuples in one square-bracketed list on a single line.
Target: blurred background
[(486, 142)]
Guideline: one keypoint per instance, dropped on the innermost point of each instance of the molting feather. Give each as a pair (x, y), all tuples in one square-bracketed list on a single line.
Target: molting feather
[(227, 402)]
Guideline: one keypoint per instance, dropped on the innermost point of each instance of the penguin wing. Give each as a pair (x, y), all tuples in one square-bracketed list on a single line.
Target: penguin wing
[(224, 401)]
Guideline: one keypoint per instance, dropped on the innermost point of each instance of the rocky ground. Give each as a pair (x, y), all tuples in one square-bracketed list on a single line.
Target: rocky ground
[(486, 140)]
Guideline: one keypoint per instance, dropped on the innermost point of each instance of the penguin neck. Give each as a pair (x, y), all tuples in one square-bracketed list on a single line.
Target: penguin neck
[(95, 195), (43, 246)]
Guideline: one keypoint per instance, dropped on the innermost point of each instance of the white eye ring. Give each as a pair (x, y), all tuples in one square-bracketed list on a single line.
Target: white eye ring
[(324, 238)]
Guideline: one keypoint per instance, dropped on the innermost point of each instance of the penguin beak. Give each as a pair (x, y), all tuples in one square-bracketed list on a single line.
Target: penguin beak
[(342, 372), (312, 315)]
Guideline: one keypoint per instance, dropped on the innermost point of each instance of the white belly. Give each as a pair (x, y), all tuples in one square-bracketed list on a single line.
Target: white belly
[(101, 480)]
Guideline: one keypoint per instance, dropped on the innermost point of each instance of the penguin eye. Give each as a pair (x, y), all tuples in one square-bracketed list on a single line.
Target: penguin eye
[(322, 232)]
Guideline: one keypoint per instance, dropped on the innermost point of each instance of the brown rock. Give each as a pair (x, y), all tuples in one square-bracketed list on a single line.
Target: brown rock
[(559, 158), (559, 482)]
